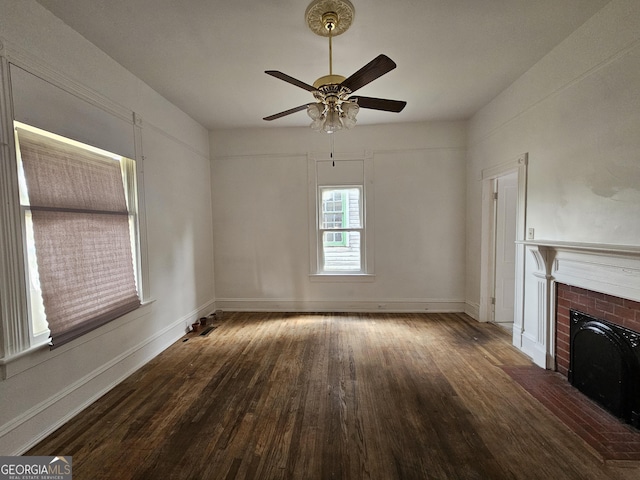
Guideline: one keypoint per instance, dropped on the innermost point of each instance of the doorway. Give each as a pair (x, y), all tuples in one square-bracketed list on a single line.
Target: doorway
[(506, 208), (508, 297)]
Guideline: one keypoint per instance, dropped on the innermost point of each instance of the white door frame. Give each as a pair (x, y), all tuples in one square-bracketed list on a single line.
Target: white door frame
[(487, 259)]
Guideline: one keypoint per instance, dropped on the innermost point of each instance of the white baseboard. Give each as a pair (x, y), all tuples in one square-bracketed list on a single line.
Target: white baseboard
[(472, 309), (535, 350), (38, 422), (367, 306)]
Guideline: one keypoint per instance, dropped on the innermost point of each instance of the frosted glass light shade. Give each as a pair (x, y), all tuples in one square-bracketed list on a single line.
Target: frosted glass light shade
[(315, 110)]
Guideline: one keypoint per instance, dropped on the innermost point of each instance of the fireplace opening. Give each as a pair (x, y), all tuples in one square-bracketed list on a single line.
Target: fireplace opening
[(604, 364)]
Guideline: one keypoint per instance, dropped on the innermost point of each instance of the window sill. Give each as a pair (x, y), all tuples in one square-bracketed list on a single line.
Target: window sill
[(41, 352), (342, 277)]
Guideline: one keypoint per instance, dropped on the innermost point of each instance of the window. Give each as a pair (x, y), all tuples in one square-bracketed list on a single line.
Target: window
[(79, 220), (334, 206), (340, 229), (341, 209)]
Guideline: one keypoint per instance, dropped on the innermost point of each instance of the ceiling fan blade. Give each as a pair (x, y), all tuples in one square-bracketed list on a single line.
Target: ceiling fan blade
[(367, 74), (291, 80), (287, 112), (380, 104)]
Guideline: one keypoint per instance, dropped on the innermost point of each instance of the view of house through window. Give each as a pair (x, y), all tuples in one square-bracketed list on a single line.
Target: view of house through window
[(340, 229)]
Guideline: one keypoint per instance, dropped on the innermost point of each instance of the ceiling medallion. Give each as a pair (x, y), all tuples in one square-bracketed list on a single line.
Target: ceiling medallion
[(337, 13)]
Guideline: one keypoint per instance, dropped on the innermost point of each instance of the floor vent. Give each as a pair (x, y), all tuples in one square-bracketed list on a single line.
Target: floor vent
[(207, 331)]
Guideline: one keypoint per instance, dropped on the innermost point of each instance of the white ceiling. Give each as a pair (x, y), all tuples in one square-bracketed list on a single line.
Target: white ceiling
[(208, 57)]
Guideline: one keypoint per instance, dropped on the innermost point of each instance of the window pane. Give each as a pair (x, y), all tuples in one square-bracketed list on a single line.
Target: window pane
[(39, 323), (341, 208), (344, 257), (333, 220), (354, 207)]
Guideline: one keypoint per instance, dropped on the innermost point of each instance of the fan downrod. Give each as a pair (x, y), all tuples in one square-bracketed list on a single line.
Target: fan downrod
[(329, 18)]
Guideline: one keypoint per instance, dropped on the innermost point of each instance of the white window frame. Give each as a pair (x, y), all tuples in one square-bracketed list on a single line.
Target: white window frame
[(316, 272), (345, 230)]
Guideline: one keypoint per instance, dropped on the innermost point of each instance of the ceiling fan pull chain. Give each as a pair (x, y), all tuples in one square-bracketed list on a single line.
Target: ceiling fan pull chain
[(333, 163)]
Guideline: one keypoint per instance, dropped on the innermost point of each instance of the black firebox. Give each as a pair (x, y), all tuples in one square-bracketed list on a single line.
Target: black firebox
[(605, 365)]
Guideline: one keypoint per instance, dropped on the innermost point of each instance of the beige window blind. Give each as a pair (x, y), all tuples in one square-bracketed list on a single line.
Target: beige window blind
[(81, 235)]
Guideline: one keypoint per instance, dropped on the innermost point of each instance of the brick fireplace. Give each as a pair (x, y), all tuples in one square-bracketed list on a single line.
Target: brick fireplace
[(619, 311), (559, 280)]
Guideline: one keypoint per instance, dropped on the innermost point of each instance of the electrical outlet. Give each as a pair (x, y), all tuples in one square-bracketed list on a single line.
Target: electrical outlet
[(530, 233)]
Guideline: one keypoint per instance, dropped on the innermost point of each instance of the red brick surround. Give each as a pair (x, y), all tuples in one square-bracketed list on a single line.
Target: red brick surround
[(620, 311)]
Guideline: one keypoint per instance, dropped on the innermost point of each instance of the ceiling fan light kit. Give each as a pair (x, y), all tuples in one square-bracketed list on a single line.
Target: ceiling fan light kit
[(336, 107)]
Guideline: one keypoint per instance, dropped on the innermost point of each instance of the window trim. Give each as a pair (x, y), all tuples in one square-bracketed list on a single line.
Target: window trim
[(15, 336), (367, 273)]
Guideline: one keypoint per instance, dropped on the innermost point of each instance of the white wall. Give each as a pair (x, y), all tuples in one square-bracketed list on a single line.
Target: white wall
[(261, 218), (577, 114), (45, 388)]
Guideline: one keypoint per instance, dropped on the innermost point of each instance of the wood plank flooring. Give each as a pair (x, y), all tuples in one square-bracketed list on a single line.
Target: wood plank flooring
[(328, 396)]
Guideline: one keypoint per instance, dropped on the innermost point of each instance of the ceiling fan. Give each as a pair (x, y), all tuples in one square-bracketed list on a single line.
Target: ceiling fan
[(336, 105)]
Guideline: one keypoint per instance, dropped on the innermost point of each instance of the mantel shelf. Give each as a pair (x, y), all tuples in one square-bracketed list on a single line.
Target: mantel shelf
[(589, 247)]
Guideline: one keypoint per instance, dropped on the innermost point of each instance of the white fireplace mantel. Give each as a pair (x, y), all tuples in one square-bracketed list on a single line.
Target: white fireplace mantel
[(610, 269)]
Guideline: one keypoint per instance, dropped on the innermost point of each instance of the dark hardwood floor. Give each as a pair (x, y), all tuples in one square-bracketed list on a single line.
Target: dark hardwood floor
[(328, 396)]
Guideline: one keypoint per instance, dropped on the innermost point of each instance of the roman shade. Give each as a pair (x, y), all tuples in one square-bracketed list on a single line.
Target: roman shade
[(81, 235)]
